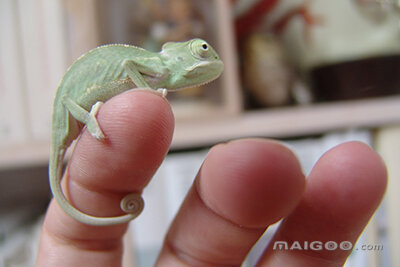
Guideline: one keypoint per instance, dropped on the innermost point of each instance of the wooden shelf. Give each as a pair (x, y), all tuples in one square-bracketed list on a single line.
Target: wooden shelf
[(290, 121), (274, 123), (24, 155)]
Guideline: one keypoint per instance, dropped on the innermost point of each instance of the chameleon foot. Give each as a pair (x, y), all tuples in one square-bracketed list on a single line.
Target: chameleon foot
[(92, 123), (132, 204), (95, 108), (163, 92)]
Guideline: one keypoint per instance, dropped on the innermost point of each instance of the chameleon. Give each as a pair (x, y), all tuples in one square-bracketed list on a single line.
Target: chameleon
[(109, 70)]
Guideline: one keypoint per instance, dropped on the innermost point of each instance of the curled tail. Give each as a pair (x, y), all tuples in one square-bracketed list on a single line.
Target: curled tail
[(132, 204)]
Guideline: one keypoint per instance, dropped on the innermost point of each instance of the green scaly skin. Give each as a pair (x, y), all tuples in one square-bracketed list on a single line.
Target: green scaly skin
[(110, 70)]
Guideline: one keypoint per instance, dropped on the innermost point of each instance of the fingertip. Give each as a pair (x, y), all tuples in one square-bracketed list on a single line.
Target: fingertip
[(343, 191), (252, 182), (139, 127), (354, 176), (123, 114)]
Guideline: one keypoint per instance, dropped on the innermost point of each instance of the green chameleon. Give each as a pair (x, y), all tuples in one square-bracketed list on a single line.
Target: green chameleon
[(105, 72)]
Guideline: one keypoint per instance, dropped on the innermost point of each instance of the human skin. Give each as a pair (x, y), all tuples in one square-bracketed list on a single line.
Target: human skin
[(242, 187)]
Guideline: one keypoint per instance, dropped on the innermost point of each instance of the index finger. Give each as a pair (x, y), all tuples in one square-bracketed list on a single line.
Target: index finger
[(139, 127)]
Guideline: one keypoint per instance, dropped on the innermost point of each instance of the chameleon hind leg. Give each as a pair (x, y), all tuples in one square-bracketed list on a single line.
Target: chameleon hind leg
[(87, 118)]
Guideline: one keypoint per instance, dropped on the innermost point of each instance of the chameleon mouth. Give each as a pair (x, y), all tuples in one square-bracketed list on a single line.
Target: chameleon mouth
[(213, 69), (210, 66), (193, 86)]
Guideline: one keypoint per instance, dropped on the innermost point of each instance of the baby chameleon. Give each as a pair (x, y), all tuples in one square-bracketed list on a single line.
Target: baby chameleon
[(105, 72)]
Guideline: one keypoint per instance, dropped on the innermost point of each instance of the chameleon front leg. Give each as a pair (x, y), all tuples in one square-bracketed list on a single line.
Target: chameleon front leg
[(131, 69), (134, 70)]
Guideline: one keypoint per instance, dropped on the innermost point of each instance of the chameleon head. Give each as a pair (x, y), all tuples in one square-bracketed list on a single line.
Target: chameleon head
[(191, 63)]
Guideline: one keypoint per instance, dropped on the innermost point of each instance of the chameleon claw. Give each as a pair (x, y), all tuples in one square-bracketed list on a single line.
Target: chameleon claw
[(98, 134), (92, 124), (163, 92)]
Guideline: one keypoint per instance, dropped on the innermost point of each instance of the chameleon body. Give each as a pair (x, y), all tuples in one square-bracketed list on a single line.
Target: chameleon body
[(105, 72)]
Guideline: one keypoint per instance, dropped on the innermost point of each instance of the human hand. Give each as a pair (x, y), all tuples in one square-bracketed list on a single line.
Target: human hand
[(243, 187)]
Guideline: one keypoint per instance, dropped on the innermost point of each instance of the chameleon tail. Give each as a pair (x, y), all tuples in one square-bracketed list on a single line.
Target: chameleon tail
[(132, 204)]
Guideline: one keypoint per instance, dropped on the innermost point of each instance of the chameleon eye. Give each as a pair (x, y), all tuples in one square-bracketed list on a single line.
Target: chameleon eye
[(200, 49)]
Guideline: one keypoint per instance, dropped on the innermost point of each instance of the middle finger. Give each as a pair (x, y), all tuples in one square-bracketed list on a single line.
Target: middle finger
[(242, 187)]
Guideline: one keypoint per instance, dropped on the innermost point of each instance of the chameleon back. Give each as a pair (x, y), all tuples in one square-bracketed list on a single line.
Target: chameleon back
[(100, 66)]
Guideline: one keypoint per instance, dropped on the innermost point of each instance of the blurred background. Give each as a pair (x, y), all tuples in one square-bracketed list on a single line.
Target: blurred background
[(310, 73)]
